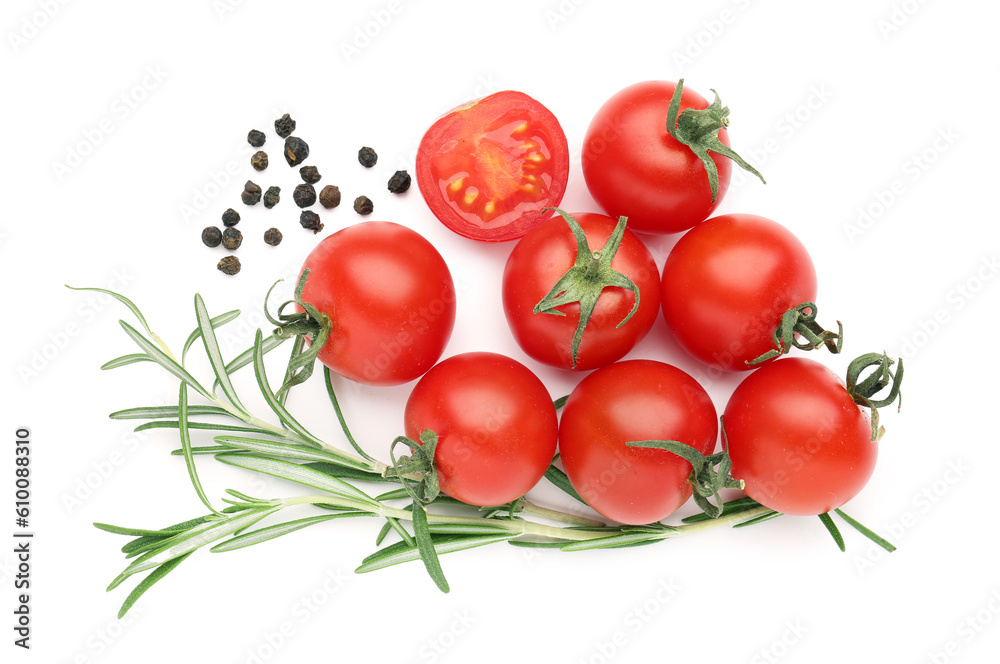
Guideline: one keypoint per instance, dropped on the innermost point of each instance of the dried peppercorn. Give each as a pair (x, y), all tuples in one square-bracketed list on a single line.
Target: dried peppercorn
[(309, 220), (211, 236), (399, 182), (272, 236), (229, 265), (367, 157), (329, 196), (310, 174), (232, 238), (271, 197), (230, 217), (251, 193), (304, 195), (296, 150), (363, 205), (256, 138), (284, 125), (259, 160)]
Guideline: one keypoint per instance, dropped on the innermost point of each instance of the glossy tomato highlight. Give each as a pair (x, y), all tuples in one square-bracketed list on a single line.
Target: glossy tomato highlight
[(488, 169), (390, 297)]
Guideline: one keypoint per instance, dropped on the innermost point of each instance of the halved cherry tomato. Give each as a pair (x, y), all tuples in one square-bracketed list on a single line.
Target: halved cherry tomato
[(489, 169)]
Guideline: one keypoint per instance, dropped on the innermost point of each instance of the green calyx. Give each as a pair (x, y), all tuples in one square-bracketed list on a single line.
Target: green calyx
[(589, 276), (709, 473), (310, 323), (419, 463), (864, 391), (799, 328), (699, 130)]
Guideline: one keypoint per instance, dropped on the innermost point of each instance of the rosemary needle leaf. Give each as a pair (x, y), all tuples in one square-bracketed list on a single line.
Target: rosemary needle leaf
[(164, 360), (150, 579), (401, 552), (277, 530), (834, 531), (425, 545), (125, 360), (276, 405), (615, 541), (300, 474), (864, 530), (215, 353), (246, 357), (217, 321), (558, 478), (157, 412), (185, 435)]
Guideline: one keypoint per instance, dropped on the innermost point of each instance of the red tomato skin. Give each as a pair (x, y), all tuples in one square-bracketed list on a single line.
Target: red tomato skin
[(538, 261), (797, 438), (726, 284), (496, 426), (479, 142), (633, 167), (630, 401), (390, 296)]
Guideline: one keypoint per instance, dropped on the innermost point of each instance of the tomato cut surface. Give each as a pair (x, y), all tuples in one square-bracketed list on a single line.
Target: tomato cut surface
[(489, 169)]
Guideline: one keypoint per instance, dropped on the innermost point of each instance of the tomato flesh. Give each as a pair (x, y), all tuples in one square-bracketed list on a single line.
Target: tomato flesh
[(488, 169)]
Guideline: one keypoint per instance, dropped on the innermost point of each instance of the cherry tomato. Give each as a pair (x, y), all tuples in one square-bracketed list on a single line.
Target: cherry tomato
[(496, 426), (798, 439), (390, 297), (631, 401), (634, 167), (726, 284), (537, 264), (489, 169)]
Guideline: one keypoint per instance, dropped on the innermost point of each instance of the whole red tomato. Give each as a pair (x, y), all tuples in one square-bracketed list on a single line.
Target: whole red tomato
[(635, 400), (390, 298), (489, 169), (495, 422), (798, 439), (727, 283), (635, 167), (540, 261)]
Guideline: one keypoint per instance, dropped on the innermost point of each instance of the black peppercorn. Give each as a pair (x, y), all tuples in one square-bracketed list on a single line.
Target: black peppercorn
[(232, 238), (251, 193), (363, 205), (367, 157), (310, 174), (310, 221), (271, 197), (230, 217), (229, 265), (272, 236), (259, 160), (211, 236), (399, 182), (296, 150), (329, 196), (284, 125), (256, 138), (304, 195)]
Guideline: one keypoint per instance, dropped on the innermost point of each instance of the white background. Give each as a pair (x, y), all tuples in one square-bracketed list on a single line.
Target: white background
[(120, 119)]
